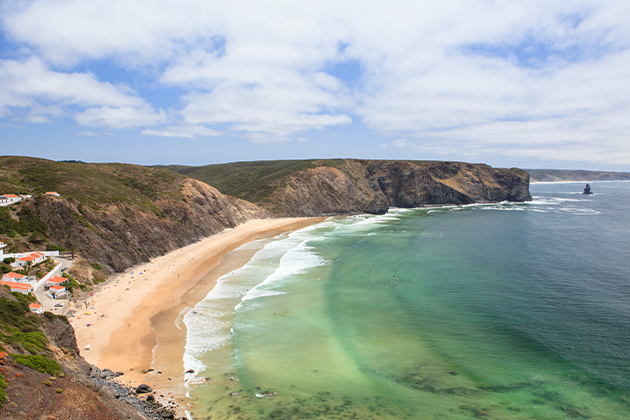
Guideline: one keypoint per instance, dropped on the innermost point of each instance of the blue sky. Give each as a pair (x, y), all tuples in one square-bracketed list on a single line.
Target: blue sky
[(537, 84)]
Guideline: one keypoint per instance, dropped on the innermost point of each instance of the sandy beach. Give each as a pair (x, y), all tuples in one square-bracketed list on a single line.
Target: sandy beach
[(134, 311)]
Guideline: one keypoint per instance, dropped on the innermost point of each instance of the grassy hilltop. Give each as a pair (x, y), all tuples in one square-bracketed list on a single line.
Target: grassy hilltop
[(251, 181), (115, 214), (338, 186)]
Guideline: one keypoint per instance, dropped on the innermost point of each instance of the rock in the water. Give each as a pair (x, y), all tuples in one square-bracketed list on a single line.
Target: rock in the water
[(143, 389)]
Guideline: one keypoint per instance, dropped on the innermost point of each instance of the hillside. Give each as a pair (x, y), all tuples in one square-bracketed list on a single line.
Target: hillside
[(116, 214), (340, 186), (42, 374), (560, 175)]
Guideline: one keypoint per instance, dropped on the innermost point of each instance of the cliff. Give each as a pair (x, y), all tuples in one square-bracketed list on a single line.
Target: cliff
[(560, 175), (114, 214), (321, 187), (42, 374)]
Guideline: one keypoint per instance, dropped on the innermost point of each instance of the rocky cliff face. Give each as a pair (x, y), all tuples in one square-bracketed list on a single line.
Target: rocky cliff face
[(373, 186), (121, 236)]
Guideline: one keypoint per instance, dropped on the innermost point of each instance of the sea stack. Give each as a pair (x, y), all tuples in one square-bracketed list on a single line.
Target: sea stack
[(587, 190)]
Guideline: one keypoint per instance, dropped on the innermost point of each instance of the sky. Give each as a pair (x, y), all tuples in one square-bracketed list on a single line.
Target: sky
[(533, 84)]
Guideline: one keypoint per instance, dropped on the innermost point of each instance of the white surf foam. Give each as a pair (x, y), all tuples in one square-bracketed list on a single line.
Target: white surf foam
[(209, 322)]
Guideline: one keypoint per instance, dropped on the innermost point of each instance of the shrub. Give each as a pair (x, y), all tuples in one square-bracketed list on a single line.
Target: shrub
[(36, 238), (52, 316), (3, 385), (41, 364), (4, 269), (97, 266), (52, 247), (10, 260)]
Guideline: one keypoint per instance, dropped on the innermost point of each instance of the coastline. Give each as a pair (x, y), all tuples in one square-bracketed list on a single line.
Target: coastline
[(132, 313)]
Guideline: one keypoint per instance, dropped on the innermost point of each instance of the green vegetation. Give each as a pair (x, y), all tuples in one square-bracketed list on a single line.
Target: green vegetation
[(97, 266), (41, 364), (4, 268), (96, 186), (519, 172), (16, 327), (52, 247), (3, 386), (251, 181), (52, 316), (72, 283), (28, 223)]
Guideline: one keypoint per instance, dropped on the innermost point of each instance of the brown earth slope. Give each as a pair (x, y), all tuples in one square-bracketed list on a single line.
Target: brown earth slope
[(115, 214), (373, 186)]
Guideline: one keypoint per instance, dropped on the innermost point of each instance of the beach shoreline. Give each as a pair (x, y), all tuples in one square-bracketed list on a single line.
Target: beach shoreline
[(130, 322)]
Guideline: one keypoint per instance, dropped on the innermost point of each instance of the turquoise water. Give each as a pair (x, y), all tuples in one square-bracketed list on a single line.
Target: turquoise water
[(505, 311)]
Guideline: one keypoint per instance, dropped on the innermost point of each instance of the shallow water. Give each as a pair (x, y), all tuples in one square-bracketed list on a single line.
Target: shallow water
[(506, 311)]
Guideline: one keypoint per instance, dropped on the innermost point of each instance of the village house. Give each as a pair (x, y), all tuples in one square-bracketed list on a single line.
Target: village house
[(57, 292), (23, 288), (36, 307), (18, 278), (2, 246), (56, 281), (34, 258), (8, 199)]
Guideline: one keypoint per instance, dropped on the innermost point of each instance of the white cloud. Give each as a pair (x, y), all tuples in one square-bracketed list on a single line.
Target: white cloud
[(93, 134), (121, 117), (542, 77), (190, 132), (32, 92)]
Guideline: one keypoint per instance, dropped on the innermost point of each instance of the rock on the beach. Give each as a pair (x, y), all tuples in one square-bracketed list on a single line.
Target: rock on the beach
[(143, 389)]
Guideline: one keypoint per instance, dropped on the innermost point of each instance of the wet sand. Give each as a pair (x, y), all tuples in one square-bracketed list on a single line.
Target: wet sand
[(132, 313)]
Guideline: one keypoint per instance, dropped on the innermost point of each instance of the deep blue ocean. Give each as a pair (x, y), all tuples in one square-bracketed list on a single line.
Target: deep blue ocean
[(500, 311)]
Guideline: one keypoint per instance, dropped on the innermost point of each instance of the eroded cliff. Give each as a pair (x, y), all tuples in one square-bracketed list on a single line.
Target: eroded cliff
[(119, 235), (373, 186)]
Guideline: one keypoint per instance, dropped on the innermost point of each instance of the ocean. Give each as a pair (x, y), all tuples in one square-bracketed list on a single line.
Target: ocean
[(498, 311)]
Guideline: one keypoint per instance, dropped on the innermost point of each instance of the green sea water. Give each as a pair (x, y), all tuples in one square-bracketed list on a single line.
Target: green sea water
[(505, 311)]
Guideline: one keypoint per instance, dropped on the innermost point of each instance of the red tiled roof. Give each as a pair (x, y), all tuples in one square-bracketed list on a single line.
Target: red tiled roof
[(35, 305), (57, 287), (15, 275), (28, 258), (15, 285), (57, 280), (11, 195)]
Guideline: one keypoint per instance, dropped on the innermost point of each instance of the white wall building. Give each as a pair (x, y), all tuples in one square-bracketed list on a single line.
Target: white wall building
[(8, 199), (34, 258)]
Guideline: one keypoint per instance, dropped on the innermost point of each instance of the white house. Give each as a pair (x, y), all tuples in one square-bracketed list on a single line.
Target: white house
[(16, 277), (55, 193), (36, 307), (8, 199), (57, 291), (23, 288), (2, 246), (34, 258), (55, 281)]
